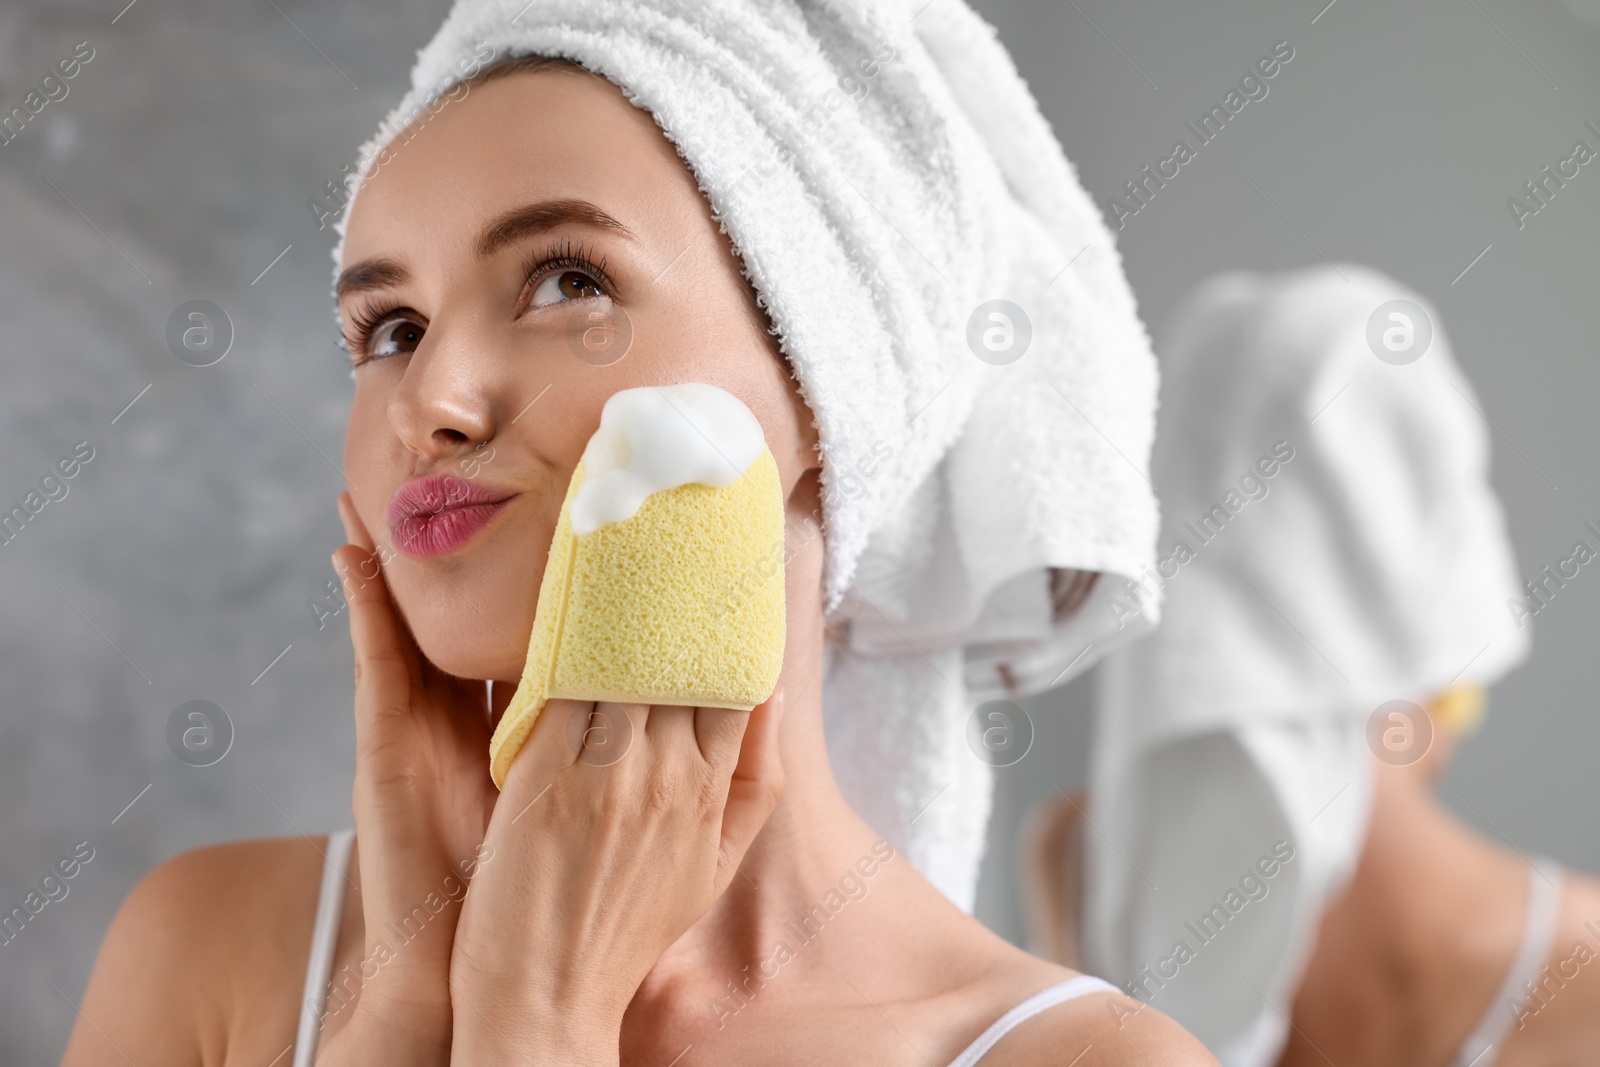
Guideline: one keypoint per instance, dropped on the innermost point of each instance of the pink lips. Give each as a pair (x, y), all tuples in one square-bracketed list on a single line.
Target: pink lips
[(438, 514)]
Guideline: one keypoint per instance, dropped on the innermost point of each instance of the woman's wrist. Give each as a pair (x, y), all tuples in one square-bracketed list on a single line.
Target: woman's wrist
[(410, 993), (496, 1046), (495, 1022)]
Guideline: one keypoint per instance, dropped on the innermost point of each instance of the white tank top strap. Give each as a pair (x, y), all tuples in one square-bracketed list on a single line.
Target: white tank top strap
[(324, 934), (1482, 1047), (1060, 993)]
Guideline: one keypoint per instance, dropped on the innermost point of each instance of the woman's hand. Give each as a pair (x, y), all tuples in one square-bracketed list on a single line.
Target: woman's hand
[(600, 864), (422, 799)]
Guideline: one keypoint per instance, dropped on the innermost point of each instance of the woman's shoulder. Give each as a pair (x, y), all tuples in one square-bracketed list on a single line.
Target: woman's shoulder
[(200, 934), (1105, 1028), (210, 902), (257, 867), (1097, 1023)]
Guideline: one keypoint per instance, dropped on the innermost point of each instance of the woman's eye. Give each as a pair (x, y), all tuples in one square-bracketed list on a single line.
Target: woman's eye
[(394, 337), (566, 285)]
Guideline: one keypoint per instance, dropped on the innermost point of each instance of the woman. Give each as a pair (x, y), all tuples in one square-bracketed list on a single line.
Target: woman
[(514, 257), (1275, 870)]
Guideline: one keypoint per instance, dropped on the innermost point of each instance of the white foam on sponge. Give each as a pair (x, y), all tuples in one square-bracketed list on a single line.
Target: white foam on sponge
[(659, 437)]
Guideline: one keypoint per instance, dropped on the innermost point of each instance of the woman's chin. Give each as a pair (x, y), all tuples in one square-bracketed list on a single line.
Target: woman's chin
[(463, 627), (472, 664), (460, 655)]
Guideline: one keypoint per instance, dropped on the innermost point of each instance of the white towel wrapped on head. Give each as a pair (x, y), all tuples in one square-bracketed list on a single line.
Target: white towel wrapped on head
[(882, 171), (1330, 542)]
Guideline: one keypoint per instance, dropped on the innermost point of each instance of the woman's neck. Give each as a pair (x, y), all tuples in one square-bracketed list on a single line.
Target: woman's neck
[(813, 845)]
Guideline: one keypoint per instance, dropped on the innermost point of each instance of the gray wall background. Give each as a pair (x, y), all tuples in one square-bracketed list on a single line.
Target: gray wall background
[(179, 564)]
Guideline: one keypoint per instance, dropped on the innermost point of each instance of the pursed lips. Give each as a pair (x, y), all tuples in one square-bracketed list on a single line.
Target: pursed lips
[(440, 513)]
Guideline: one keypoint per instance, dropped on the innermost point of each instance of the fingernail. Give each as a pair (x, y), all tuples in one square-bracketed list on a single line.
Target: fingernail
[(341, 573)]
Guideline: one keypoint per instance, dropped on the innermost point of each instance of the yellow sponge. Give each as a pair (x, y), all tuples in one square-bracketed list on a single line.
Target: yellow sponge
[(681, 603), (1459, 709)]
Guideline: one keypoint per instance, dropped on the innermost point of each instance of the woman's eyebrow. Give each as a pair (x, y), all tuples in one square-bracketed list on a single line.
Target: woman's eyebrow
[(369, 274), (530, 219), (509, 227)]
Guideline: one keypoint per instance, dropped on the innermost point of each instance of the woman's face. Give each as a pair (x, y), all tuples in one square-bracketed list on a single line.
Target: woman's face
[(537, 246)]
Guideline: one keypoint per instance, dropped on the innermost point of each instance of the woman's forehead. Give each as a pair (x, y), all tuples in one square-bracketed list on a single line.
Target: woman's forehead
[(530, 138)]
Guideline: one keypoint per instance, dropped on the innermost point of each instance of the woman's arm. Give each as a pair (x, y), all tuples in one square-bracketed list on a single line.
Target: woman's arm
[(197, 938), (422, 800), (149, 1000)]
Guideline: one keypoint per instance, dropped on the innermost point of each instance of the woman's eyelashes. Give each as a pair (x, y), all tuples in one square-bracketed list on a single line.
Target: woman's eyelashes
[(563, 273), (380, 332)]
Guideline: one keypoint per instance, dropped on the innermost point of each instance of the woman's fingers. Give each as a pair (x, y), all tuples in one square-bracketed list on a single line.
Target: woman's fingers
[(380, 647), (718, 732), (385, 657), (611, 854), (623, 754), (355, 531), (547, 752), (754, 789)]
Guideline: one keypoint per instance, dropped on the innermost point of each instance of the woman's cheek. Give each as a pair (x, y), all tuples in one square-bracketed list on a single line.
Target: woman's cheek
[(366, 464)]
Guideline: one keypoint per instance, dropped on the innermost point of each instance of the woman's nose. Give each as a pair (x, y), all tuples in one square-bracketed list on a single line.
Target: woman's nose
[(447, 398)]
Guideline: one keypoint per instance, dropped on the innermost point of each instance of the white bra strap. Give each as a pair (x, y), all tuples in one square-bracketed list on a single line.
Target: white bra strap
[(325, 932), (1059, 993), (1538, 934)]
